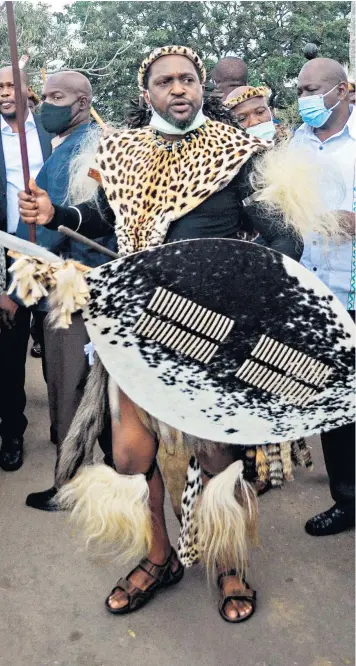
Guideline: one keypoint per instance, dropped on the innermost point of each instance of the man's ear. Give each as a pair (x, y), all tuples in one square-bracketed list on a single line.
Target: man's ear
[(146, 96), (343, 90), (84, 102)]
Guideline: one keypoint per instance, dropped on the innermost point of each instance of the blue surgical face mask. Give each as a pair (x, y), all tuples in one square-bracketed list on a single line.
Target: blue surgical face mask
[(264, 131), (313, 110)]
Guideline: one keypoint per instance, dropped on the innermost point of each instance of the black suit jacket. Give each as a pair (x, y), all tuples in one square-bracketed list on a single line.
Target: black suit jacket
[(45, 141)]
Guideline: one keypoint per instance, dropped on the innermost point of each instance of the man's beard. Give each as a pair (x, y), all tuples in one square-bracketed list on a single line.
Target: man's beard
[(179, 124), (9, 116)]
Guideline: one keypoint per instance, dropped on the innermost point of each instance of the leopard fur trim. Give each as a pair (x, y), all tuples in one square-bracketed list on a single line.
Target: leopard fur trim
[(170, 50), (149, 184), (260, 91)]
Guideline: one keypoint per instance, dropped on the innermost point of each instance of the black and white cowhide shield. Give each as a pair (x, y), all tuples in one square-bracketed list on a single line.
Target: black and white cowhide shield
[(225, 340)]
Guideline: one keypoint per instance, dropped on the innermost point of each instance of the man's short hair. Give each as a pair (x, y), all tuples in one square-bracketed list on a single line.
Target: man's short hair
[(230, 68)]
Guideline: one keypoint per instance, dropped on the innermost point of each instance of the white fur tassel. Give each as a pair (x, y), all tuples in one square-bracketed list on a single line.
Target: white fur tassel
[(226, 518), (29, 278), (63, 282), (111, 510), (69, 294), (290, 181)]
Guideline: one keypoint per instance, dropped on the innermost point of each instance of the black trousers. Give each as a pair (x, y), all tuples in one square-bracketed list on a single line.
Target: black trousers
[(36, 323), (13, 351), (339, 454)]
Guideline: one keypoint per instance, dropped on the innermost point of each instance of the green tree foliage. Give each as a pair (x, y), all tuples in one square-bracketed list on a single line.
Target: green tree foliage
[(38, 35), (107, 40), (270, 36)]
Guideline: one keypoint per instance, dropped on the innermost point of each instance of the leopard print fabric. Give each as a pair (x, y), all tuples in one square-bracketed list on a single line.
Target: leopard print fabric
[(149, 183), (278, 466), (170, 50), (260, 91), (188, 537)]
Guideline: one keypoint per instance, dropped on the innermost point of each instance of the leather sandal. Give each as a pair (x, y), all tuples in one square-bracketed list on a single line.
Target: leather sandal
[(162, 576), (235, 595)]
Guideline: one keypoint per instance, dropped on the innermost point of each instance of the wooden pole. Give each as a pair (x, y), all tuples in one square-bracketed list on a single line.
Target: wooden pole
[(20, 113), (97, 118), (87, 241)]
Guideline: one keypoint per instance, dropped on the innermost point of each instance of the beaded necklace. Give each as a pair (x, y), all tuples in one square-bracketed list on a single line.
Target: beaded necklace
[(172, 146)]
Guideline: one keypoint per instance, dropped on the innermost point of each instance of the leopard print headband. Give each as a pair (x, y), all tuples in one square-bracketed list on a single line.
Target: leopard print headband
[(260, 91), (170, 50)]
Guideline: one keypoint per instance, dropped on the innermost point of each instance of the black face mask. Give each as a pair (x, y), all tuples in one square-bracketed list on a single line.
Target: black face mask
[(56, 119)]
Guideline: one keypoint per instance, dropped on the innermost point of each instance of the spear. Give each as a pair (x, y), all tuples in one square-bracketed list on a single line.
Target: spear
[(20, 114)]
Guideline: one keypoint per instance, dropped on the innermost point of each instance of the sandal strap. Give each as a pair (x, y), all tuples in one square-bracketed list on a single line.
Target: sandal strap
[(135, 596), (168, 560), (156, 571), (251, 599), (230, 572), (236, 596)]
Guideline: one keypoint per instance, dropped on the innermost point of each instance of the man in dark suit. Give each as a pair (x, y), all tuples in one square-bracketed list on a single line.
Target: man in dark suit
[(15, 320)]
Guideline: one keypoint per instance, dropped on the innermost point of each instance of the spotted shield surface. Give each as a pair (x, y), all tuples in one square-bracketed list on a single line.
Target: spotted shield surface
[(225, 340)]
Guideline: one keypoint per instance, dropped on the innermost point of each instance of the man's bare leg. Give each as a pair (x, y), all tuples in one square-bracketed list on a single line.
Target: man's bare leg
[(214, 464), (134, 450)]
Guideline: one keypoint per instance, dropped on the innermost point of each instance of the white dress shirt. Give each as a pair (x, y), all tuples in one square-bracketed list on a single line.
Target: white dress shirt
[(12, 157), (335, 264), (2, 270)]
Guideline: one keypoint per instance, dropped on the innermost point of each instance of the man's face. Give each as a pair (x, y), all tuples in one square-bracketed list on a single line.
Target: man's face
[(56, 92), (174, 90), (252, 112), (7, 94), (226, 87), (313, 82)]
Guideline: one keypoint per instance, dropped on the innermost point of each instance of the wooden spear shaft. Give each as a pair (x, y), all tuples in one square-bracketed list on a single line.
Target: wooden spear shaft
[(20, 107), (97, 118)]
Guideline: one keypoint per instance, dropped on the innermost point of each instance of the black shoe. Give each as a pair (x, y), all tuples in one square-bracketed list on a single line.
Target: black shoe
[(108, 460), (337, 519), (36, 350), (43, 500), (11, 454)]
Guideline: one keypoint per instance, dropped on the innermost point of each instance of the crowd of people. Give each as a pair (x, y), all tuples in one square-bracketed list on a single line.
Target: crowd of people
[(173, 111)]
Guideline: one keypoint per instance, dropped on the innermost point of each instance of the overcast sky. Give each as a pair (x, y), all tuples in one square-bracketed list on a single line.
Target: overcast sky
[(57, 5)]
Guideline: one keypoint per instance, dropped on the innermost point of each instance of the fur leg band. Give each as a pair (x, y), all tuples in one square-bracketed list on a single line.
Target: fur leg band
[(226, 518), (88, 422), (111, 510)]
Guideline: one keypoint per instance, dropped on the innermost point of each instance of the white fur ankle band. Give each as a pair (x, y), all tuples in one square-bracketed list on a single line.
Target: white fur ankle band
[(111, 510)]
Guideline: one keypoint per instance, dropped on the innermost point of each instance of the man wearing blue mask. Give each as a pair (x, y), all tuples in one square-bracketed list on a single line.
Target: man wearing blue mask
[(329, 130)]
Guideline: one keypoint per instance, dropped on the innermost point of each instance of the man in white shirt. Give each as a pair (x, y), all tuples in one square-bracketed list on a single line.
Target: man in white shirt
[(329, 130), (14, 339)]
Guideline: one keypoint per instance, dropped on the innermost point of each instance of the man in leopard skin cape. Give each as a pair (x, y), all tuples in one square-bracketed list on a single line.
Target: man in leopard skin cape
[(180, 177)]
